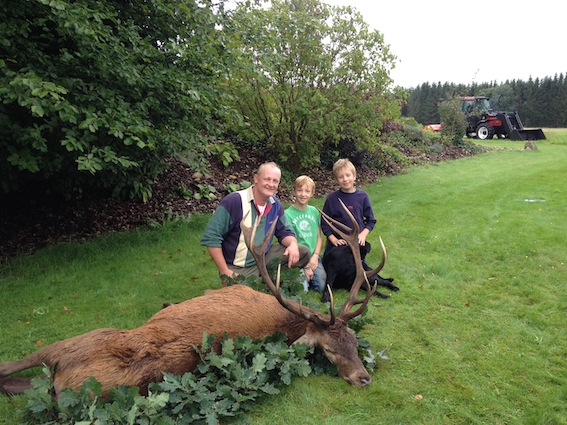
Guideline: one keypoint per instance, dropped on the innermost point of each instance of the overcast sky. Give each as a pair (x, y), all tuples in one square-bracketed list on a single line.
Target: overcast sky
[(450, 41)]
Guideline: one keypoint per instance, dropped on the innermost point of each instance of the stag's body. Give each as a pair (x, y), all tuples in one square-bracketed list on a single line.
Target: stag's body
[(139, 356)]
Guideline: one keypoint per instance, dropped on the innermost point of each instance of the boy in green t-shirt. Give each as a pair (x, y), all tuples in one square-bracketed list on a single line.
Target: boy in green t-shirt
[(306, 222)]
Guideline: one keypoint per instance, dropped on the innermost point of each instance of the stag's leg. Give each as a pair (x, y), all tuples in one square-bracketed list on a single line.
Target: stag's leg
[(12, 386), (16, 385), (8, 368)]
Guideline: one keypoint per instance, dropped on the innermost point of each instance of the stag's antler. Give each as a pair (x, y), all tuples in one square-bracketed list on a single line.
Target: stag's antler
[(259, 254), (351, 238)]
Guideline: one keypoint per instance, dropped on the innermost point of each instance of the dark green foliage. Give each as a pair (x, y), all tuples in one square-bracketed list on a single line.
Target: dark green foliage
[(223, 385), (97, 94)]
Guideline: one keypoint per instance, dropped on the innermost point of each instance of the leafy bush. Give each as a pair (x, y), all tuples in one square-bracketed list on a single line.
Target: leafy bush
[(453, 120), (223, 385), (226, 152), (310, 75), (96, 95)]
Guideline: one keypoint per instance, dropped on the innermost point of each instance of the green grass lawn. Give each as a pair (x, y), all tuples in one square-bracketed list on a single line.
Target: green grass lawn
[(477, 334)]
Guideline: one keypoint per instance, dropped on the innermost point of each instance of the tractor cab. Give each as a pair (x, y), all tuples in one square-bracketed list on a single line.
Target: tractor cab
[(475, 105)]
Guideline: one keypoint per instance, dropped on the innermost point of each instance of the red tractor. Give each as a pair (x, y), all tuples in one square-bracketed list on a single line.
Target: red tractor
[(483, 122)]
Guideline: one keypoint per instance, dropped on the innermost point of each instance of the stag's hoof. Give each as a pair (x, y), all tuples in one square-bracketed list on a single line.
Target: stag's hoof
[(380, 294)]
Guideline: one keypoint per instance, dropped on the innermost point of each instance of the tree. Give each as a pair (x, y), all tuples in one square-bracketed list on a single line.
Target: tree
[(96, 94), (453, 120), (311, 74)]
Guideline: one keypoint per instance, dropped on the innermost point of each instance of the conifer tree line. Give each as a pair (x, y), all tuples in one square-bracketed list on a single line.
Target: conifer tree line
[(539, 102)]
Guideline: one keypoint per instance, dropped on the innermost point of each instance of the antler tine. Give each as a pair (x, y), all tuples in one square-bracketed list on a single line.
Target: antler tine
[(259, 254), (345, 314), (331, 304), (351, 237), (375, 271), (348, 233)]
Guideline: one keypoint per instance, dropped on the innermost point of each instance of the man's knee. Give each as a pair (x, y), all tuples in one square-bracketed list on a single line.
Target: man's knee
[(277, 251), (244, 271)]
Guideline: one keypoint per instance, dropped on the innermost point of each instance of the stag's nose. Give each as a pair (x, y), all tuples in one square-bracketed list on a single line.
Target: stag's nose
[(359, 379)]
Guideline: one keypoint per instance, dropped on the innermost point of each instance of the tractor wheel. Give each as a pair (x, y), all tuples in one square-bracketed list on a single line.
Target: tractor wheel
[(484, 131)]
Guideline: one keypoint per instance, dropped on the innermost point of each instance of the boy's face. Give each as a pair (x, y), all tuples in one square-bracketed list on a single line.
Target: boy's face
[(303, 194), (346, 179)]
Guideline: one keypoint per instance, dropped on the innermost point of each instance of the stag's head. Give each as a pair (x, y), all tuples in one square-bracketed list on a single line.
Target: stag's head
[(339, 344), (328, 332)]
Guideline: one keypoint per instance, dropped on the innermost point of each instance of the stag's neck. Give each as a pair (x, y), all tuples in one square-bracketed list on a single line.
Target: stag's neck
[(293, 326)]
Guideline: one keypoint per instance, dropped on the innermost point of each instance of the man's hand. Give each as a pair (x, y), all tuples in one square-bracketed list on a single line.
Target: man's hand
[(291, 251), (224, 277)]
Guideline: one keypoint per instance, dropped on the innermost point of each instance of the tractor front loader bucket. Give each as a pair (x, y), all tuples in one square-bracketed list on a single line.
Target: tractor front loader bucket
[(516, 130), (532, 134)]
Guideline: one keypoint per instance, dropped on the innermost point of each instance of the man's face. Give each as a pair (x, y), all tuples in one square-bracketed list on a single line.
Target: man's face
[(266, 182)]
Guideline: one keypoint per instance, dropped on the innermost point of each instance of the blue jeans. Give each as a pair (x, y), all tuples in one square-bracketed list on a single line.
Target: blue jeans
[(319, 280)]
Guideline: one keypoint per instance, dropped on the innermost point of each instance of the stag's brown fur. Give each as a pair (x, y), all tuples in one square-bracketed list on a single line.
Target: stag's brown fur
[(139, 356)]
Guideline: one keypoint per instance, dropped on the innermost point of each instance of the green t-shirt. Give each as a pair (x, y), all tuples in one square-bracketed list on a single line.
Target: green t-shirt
[(305, 224)]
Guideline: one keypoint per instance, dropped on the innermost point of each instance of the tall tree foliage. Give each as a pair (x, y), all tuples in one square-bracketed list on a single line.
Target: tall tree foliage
[(311, 74), (96, 94)]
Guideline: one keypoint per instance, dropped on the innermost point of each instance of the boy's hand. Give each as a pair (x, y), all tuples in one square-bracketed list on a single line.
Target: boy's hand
[(314, 261), (336, 241), (308, 272), (362, 237)]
